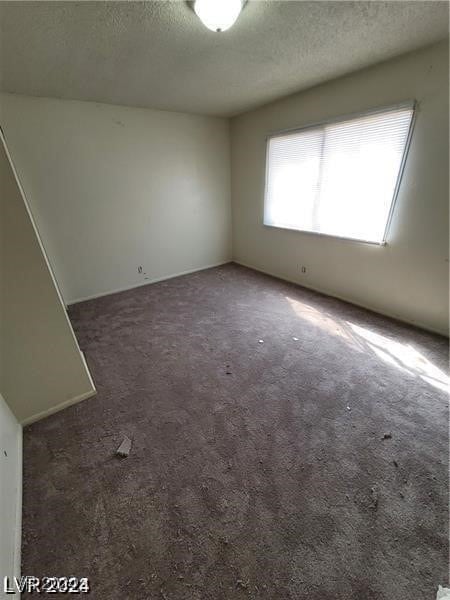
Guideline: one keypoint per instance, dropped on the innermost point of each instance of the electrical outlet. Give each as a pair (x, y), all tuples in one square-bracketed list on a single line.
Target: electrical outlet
[(303, 269), (139, 269)]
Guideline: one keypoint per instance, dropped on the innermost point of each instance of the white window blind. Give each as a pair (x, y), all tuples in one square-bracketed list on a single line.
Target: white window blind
[(338, 178)]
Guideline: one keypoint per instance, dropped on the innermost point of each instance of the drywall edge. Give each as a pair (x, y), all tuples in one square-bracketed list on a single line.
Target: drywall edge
[(19, 502), (38, 237), (13, 430), (93, 390)]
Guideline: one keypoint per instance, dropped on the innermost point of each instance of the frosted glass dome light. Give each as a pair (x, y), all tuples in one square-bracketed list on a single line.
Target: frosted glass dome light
[(218, 15)]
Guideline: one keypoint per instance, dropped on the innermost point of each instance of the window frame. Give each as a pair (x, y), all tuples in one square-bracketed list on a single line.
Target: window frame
[(411, 104)]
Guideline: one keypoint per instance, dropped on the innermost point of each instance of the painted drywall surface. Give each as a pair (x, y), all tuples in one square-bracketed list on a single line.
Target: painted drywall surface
[(114, 188), (10, 493), (407, 278), (41, 366)]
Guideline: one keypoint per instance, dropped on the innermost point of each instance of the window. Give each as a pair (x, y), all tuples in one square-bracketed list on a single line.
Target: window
[(339, 178)]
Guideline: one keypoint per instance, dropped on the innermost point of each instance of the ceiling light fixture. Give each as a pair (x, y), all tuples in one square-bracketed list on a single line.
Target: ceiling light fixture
[(218, 15)]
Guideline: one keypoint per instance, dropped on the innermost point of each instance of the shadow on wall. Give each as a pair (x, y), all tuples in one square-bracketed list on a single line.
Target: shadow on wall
[(402, 356)]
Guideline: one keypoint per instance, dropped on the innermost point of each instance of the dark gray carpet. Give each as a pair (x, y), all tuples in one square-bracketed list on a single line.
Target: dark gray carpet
[(311, 468)]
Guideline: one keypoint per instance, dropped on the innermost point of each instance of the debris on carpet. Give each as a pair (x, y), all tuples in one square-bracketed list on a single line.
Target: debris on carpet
[(443, 593), (125, 447)]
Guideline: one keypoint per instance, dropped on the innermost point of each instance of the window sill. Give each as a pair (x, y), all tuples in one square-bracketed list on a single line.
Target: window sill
[(328, 235)]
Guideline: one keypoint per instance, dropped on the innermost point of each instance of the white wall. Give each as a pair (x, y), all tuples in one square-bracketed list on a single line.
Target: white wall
[(112, 188), (10, 493), (408, 278), (41, 367)]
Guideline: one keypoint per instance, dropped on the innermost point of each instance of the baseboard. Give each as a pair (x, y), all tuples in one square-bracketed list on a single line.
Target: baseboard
[(58, 407), (344, 299), (146, 282)]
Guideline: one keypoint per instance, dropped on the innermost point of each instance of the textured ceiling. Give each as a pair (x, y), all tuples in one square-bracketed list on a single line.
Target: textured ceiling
[(159, 55)]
